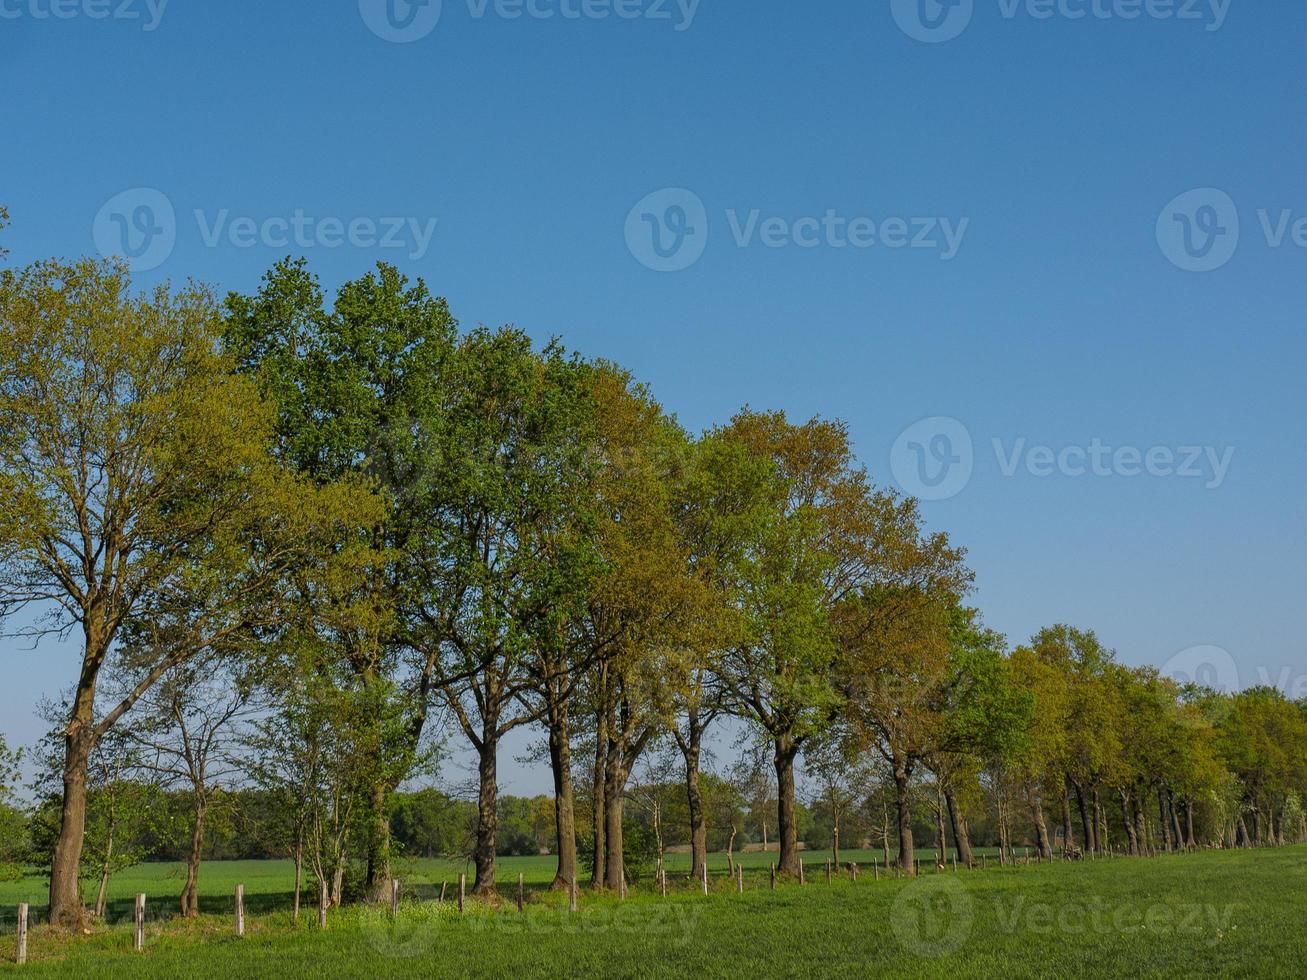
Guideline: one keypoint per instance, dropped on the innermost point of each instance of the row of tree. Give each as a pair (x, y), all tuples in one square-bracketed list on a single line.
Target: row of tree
[(355, 526)]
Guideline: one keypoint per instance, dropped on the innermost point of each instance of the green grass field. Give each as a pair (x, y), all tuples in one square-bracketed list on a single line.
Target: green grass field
[(1212, 913)]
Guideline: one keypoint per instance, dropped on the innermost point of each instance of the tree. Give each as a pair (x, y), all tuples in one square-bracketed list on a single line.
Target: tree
[(359, 392), (190, 728), (809, 554), (14, 841), (134, 477), (503, 478)]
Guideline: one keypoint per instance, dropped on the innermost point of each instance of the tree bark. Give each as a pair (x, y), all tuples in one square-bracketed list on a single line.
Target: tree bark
[(560, 759), (1041, 828), (598, 783), (691, 749), (190, 897), (941, 842), (961, 833), (378, 866), (66, 909), (1131, 838), (1068, 834), (487, 812), (1086, 822), (614, 791), (786, 826), (903, 801)]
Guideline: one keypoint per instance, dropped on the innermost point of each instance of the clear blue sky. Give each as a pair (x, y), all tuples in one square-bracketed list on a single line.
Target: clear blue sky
[(1059, 321)]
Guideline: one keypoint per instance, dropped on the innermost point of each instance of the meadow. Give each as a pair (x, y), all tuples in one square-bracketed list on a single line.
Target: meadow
[(1228, 913)]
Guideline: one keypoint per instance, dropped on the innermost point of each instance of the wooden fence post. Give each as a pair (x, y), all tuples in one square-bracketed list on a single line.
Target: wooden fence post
[(240, 911), (984, 863), (875, 869), (704, 876), (21, 956), (462, 892), (138, 937), (573, 898), (662, 882), (739, 878), (520, 896), (322, 905), (394, 896), (802, 878), (955, 865), (443, 885)]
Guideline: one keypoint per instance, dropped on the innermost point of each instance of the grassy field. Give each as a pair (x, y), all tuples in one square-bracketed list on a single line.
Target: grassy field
[(1214, 913)]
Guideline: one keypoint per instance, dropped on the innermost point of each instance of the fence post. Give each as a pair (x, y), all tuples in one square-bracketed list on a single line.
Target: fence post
[(240, 911), (704, 876), (955, 865), (443, 885), (21, 956), (802, 879), (520, 897), (853, 870), (662, 882), (462, 892), (138, 937), (828, 873), (739, 878), (573, 898), (875, 869), (394, 896), (322, 905)]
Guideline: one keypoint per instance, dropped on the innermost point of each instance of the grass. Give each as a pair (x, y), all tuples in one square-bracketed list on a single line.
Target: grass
[(1214, 913)]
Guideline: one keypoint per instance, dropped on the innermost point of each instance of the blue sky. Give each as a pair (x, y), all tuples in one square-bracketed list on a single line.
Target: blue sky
[(1044, 164)]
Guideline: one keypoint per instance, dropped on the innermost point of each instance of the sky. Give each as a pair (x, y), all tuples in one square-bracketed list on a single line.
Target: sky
[(1045, 258)]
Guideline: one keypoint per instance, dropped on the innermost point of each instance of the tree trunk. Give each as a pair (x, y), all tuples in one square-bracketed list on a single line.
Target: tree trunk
[(903, 800), (614, 791), (1131, 839), (66, 909), (190, 897), (961, 834), (1163, 820), (299, 876), (941, 842), (691, 748), (786, 827), (378, 866), (835, 833), (1068, 835), (1086, 823), (1041, 828), (598, 783), (560, 759), (1175, 820), (487, 812)]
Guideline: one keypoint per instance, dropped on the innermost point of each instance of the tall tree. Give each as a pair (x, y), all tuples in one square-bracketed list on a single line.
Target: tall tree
[(813, 549), (134, 475), (359, 394)]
